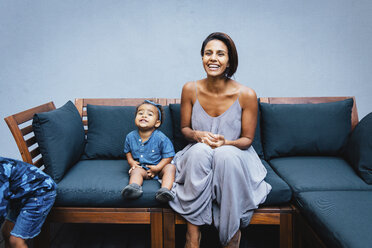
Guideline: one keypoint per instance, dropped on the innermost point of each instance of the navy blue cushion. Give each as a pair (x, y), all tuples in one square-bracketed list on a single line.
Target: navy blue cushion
[(340, 218), (280, 193), (98, 183), (109, 125), (305, 129), (61, 138), (358, 150), (179, 140), (318, 173), (257, 143)]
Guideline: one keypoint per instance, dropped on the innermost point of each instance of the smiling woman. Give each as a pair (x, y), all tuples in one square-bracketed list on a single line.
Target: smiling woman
[(219, 167)]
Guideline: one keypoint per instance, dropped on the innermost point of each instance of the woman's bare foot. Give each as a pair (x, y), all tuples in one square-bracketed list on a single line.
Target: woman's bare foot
[(235, 240), (193, 236)]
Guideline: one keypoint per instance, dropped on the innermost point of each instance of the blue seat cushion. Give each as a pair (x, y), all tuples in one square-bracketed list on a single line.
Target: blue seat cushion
[(318, 173), (98, 183), (341, 218), (280, 193)]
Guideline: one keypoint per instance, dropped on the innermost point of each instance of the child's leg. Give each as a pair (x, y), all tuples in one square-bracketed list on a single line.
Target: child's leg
[(5, 231), (134, 190), (137, 175), (167, 175), (25, 221)]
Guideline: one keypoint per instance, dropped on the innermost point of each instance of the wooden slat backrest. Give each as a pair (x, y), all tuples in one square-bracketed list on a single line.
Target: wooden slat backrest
[(24, 143), (304, 100)]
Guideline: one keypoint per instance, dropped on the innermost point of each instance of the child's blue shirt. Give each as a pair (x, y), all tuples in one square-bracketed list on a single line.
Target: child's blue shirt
[(19, 181), (150, 152)]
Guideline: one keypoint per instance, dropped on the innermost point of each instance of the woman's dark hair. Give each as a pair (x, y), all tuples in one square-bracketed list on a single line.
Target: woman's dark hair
[(233, 54), (158, 106)]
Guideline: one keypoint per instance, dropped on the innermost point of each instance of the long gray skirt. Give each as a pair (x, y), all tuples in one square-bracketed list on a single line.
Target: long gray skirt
[(225, 184)]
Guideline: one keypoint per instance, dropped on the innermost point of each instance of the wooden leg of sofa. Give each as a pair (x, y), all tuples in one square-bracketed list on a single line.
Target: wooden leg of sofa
[(169, 226), (286, 230), (43, 239), (156, 229)]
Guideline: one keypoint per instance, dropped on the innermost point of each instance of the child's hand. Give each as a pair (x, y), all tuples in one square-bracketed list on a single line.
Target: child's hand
[(152, 171), (134, 164)]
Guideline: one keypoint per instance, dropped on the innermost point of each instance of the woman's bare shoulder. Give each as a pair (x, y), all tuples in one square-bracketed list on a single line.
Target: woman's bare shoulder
[(189, 91), (189, 86), (247, 95)]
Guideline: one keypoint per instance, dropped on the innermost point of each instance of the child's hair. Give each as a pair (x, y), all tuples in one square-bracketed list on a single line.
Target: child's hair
[(161, 117)]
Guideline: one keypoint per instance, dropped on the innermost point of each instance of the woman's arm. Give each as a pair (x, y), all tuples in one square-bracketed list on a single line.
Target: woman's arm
[(248, 102), (187, 101)]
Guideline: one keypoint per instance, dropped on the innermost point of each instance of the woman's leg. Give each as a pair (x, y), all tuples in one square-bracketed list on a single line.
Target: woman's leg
[(235, 241), (238, 188), (193, 236), (193, 184)]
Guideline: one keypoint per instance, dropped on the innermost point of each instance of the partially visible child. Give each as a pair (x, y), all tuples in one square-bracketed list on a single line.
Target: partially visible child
[(149, 153), (26, 196)]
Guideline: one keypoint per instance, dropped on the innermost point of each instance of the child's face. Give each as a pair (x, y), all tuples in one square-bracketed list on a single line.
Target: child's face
[(147, 117)]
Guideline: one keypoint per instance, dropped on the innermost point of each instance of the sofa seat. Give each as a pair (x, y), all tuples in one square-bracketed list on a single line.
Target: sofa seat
[(280, 193), (98, 183), (317, 173), (341, 218)]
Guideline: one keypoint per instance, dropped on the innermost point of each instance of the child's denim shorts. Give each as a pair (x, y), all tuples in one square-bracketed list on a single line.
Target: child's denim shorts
[(30, 216)]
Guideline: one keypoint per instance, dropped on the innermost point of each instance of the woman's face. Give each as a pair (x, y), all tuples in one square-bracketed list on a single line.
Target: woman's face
[(215, 58)]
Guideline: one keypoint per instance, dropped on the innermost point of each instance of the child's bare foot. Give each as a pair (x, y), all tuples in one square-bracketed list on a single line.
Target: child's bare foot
[(235, 240), (164, 195), (132, 191)]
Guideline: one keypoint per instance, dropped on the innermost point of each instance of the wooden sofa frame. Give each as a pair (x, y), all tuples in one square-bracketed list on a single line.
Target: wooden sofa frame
[(162, 220)]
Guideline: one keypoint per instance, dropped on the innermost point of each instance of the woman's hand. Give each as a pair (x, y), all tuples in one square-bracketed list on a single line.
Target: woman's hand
[(220, 141), (208, 138), (204, 137)]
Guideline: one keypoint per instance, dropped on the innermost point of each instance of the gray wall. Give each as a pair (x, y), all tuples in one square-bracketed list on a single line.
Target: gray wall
[(62, 50)]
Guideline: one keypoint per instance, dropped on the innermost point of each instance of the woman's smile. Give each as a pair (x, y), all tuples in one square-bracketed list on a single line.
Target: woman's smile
[(215, 58)]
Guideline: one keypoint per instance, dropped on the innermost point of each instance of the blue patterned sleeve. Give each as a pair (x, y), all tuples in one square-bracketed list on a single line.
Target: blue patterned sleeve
[(167, 148), (5, 172)]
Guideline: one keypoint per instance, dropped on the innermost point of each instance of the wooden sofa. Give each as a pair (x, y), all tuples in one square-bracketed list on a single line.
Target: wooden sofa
[(162, 220)]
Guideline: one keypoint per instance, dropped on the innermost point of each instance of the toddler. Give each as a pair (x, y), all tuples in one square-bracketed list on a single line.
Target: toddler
[(149, 153), (26, 196)]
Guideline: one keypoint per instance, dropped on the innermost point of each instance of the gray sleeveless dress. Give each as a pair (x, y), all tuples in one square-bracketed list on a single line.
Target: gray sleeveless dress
[(225, 183)]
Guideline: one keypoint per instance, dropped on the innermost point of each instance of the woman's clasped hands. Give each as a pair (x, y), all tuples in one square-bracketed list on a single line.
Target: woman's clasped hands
[(210, 139)]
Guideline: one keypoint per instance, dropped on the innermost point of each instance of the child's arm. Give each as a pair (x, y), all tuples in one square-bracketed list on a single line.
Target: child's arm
[(155, 169), (132, 163)]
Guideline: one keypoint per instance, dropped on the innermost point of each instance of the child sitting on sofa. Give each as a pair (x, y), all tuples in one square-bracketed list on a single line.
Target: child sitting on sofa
[(26, 196), (149, 153)]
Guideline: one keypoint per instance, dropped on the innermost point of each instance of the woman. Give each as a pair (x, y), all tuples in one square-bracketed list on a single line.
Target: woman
[(219, 175)]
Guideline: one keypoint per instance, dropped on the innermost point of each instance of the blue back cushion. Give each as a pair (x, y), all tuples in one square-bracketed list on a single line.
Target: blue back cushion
[(305, 129), (109, 125), (358, 150), (61, 138), (179, 140)]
